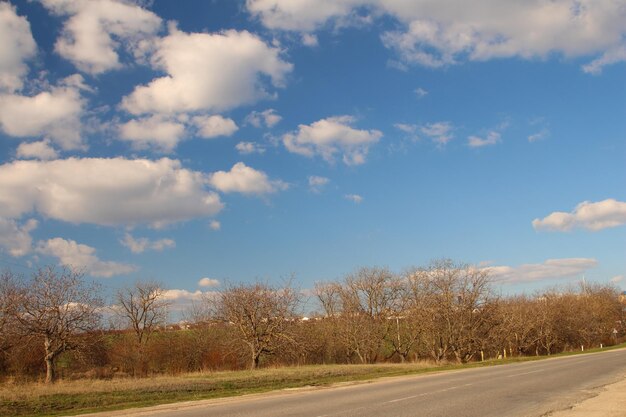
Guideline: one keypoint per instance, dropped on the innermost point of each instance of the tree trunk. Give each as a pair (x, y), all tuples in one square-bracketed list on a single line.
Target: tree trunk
[(255, 359), (50, 370), (50, 361)]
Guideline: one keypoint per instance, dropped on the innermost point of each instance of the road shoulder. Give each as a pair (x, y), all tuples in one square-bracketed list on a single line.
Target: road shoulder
[(610, 402)]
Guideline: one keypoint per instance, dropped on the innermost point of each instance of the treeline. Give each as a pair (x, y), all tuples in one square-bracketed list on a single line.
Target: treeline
[(52, 323)]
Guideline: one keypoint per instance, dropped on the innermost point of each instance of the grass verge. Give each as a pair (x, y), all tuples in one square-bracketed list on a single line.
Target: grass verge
[(84, 396)]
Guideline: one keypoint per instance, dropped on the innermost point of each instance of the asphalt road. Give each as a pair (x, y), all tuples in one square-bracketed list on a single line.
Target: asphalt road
[(524, 389)]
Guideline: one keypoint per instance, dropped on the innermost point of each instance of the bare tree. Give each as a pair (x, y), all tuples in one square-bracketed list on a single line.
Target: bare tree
[(412, 316), (370, 305), (364, 309), (460, 308), (144, 307), (262, 315), (57, 307), (8, 293)]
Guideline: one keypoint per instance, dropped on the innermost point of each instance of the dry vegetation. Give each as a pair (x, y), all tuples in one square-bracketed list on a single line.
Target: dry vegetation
[(251, 338)]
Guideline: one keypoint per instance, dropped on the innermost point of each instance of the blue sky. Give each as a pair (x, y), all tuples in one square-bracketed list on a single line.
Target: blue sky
[(259, 139)]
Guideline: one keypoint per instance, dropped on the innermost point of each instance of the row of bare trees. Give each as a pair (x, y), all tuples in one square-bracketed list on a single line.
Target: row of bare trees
[(450, 312), (442, 312)]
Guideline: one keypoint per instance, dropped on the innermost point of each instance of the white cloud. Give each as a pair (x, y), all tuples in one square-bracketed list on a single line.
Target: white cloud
[(104, 191), (142, 244), (617, 279), (182, 300), (178, 295), (246, 148), (317, 183), (587, 215), (437, 33), (54, 114), (17, 46), (208, 282), (163, 132), (409, 129), (612, 56), (82, 256), (245, 180), (406, 128), (37, 150), (155, 131), (15, 238), (492, 138), (542, 134), (420, 92), (355, 198), (330, 136), (211, 72), (96, 29), (550, 269), (215, 225), (267, 117), (440, 132), (214, 126), (308, 39), (299, 15)]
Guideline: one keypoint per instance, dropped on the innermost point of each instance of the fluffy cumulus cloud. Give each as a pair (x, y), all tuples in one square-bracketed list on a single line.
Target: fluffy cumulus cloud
[(208, 282), (82, 256), (246, 148), (435, 33), (208, 71), (246, 180), (550, 269), (37, 150), (299, 15), (331, 136), (183, 295), (105, 191), (214, 126), (16, 48), (53, 114), (155, 132), (182, 300), (15, 238), (215, 225), (142, 244), (164, 132), (587, 215), (96, 29), (267, 117), (440, 133)]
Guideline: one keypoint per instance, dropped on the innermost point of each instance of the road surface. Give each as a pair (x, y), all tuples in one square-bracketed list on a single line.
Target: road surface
[(523, 389)]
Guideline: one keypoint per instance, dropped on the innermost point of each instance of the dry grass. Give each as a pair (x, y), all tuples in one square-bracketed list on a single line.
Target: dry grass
[(16, 391), (82, 396), (63, 397)]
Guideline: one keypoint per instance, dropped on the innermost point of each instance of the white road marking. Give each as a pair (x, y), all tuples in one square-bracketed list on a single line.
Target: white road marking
[(401, 399), (427, 393), (525, 373)]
